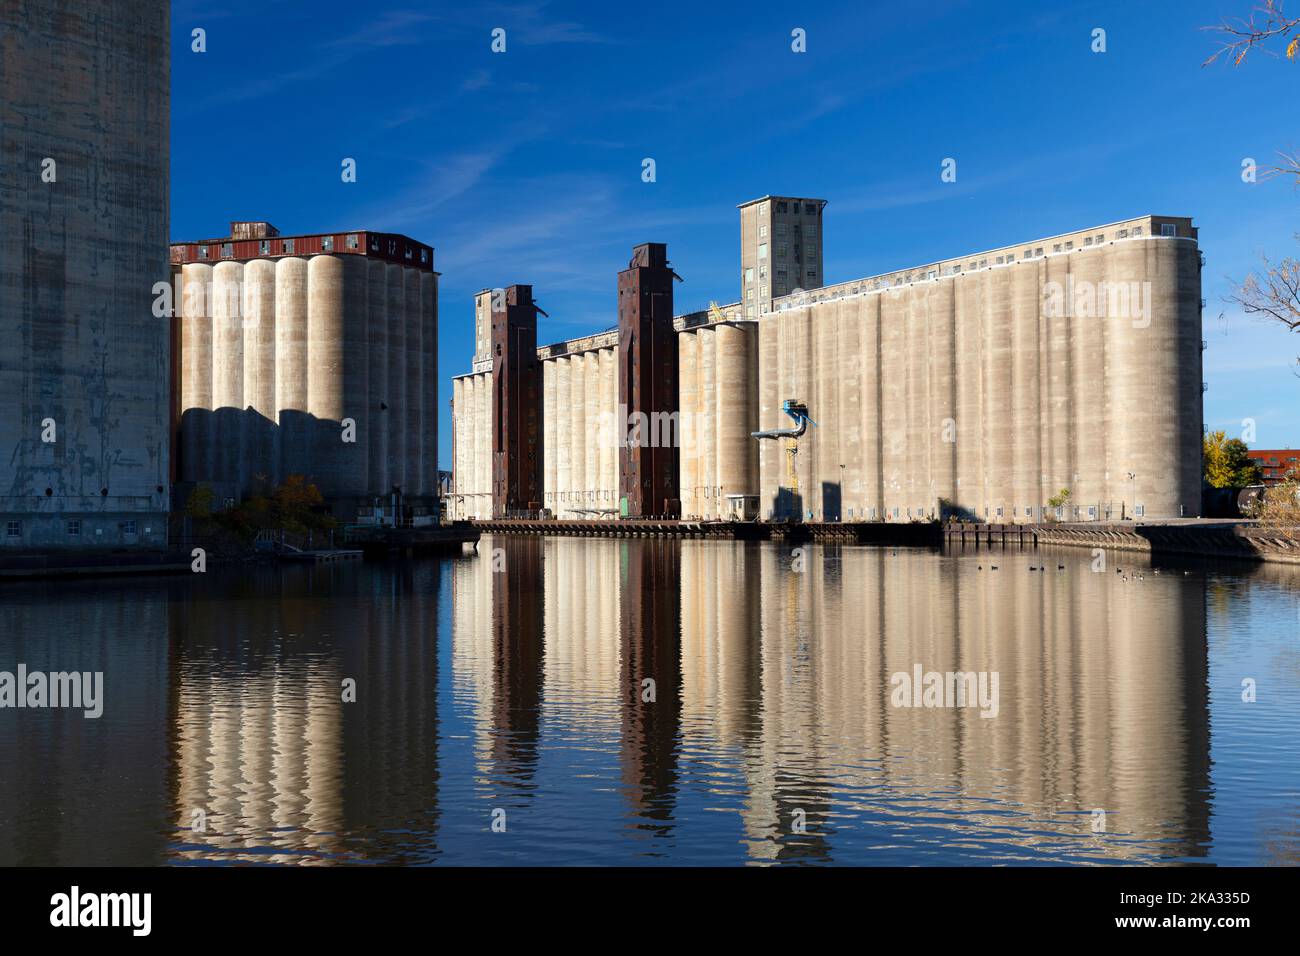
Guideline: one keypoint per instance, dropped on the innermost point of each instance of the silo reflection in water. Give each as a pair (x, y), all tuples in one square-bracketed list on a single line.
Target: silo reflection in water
[(772, 709), (514, 679)]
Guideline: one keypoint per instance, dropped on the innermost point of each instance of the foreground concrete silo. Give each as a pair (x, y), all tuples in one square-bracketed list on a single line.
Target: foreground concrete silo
[(85, 361)]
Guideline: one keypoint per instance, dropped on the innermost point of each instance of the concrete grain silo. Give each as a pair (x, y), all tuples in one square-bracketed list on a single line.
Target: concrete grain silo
[(311, 355), (85, 361)]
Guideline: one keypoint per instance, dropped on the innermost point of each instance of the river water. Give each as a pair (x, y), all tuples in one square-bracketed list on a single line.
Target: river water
[(610, 701)]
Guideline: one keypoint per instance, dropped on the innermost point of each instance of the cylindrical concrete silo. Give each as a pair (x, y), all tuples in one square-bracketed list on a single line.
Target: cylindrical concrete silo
[(261, 429), (894, 314), (578, 440), (1058, 393), (708, 467), (614, 425), (325, 372), (377, 404), (197, 446), (355, 460), (848, 369), (942, 397), (1026, 424), (548, 434), (999, 398), (595, 421), (413, 398), (688, 390), (396, 400), (916, 356), (768, 409), (824, 494), (969, 304), (731, 432), (564, 436), (872, 496), (1091, 396), (429, 385), (228, 370), (291, 364)]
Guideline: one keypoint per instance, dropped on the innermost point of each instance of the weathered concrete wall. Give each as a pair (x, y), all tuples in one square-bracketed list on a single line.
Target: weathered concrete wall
[(280, 361), (86, 86), (969, 392)]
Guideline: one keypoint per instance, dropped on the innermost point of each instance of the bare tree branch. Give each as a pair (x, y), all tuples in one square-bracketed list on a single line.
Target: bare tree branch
[(1266, 22)]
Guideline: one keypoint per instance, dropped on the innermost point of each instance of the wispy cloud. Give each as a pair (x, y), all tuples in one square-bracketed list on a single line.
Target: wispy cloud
[(392, 28), (476, 81)]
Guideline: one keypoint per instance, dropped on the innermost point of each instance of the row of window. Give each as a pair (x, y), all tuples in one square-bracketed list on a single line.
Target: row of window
[(352, 242), (783, 250), (782, 229), (809, 208), (14, 529)]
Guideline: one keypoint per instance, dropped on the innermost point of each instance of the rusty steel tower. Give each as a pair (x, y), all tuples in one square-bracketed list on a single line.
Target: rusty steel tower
[(649, 444), (516, 403)]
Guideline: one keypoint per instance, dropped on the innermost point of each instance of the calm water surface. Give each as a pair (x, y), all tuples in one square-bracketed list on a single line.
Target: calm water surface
[(771, 737)]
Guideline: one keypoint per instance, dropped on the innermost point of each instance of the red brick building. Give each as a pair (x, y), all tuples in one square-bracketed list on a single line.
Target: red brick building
[(1276, 463)]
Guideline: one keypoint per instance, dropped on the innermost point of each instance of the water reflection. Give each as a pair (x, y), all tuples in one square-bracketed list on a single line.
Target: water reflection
[(618, 701)]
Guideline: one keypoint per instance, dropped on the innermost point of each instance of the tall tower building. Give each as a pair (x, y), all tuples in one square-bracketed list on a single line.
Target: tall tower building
[(780, 250), (84, 362)]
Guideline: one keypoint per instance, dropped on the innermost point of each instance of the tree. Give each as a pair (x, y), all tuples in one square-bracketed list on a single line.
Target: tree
[(1274, 294), (1226, 464), (200, 501), (1279, 511)]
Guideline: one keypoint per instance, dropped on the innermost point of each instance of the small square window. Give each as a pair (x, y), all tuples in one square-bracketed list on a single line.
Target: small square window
[(287, 245), (1069, 245), (353, 240), (1168, 229), (327, 243), (1087, 240), (227, 250), (203, 252), (128, 527), (1140, 510), (1056, 248), (14, 529), (264, 247), (762, 232), (1101, 237), (1137, 231), (1123, 233), (424, 257), (74, 528)]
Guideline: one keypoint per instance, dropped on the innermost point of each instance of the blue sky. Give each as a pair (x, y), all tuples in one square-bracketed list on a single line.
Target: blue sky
[(526, 166)]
